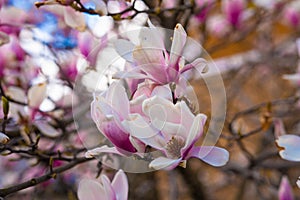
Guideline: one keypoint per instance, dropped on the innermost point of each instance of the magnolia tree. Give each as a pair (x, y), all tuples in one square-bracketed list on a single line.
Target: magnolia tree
[(147, 99)]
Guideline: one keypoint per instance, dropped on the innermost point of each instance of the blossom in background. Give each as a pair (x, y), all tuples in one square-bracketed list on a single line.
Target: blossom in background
[(117, 189), (233, 10), (285, 190), (204, 7), (291, 14)]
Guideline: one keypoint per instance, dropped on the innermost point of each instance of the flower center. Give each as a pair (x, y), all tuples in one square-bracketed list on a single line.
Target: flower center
[(174, 147)]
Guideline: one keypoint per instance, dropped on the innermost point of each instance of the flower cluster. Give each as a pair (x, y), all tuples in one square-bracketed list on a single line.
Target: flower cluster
[(156, 113)]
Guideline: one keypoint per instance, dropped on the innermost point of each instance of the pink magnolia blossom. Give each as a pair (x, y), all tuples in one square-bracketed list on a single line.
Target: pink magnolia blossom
[(285, 190), (151, 60), (117, 189), (151, 118)]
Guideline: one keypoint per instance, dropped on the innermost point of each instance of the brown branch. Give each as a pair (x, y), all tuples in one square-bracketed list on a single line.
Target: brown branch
[(35, 181)]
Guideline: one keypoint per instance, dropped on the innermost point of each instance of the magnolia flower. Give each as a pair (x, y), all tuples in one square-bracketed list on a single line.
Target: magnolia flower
[(172, 129), (289, 147), (298, 182), (151, 60), (285, 190), (3, 138), (117, 189)]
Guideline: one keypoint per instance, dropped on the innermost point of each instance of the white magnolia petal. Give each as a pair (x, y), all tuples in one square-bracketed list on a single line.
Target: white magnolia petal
[(16, 93), (172, 113), (37, 94), (196, 131), (143, 56), (3, 138), (47, 129), (293, 78), (135, 73), (162, 91), (138, 127), (164, 163), (125, 49), (137, 144), (291, 147), (118, 99), (108, 189), (179, 39), (74, 19), (151, 38), (212, 155), (298, 182), (90, 190), (100, 150), (120, 185), (279, 128)]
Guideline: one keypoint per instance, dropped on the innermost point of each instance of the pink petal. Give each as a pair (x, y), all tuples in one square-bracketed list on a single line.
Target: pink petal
[(138, 127), (74, 19), (164, 163), (195, 133), (100, 150), (90, 190), (179, 39), (285, 190), (200, 65), (37, 94), (120, 185), (125, 49), (47, 129), (169, 111), (118, 99), (214, 156)]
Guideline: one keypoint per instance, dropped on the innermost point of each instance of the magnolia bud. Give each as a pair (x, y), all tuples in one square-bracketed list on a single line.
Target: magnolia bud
[(3, 138), (5, 105)]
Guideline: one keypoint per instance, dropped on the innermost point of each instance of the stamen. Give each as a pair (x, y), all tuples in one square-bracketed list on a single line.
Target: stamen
[(174, 147)]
